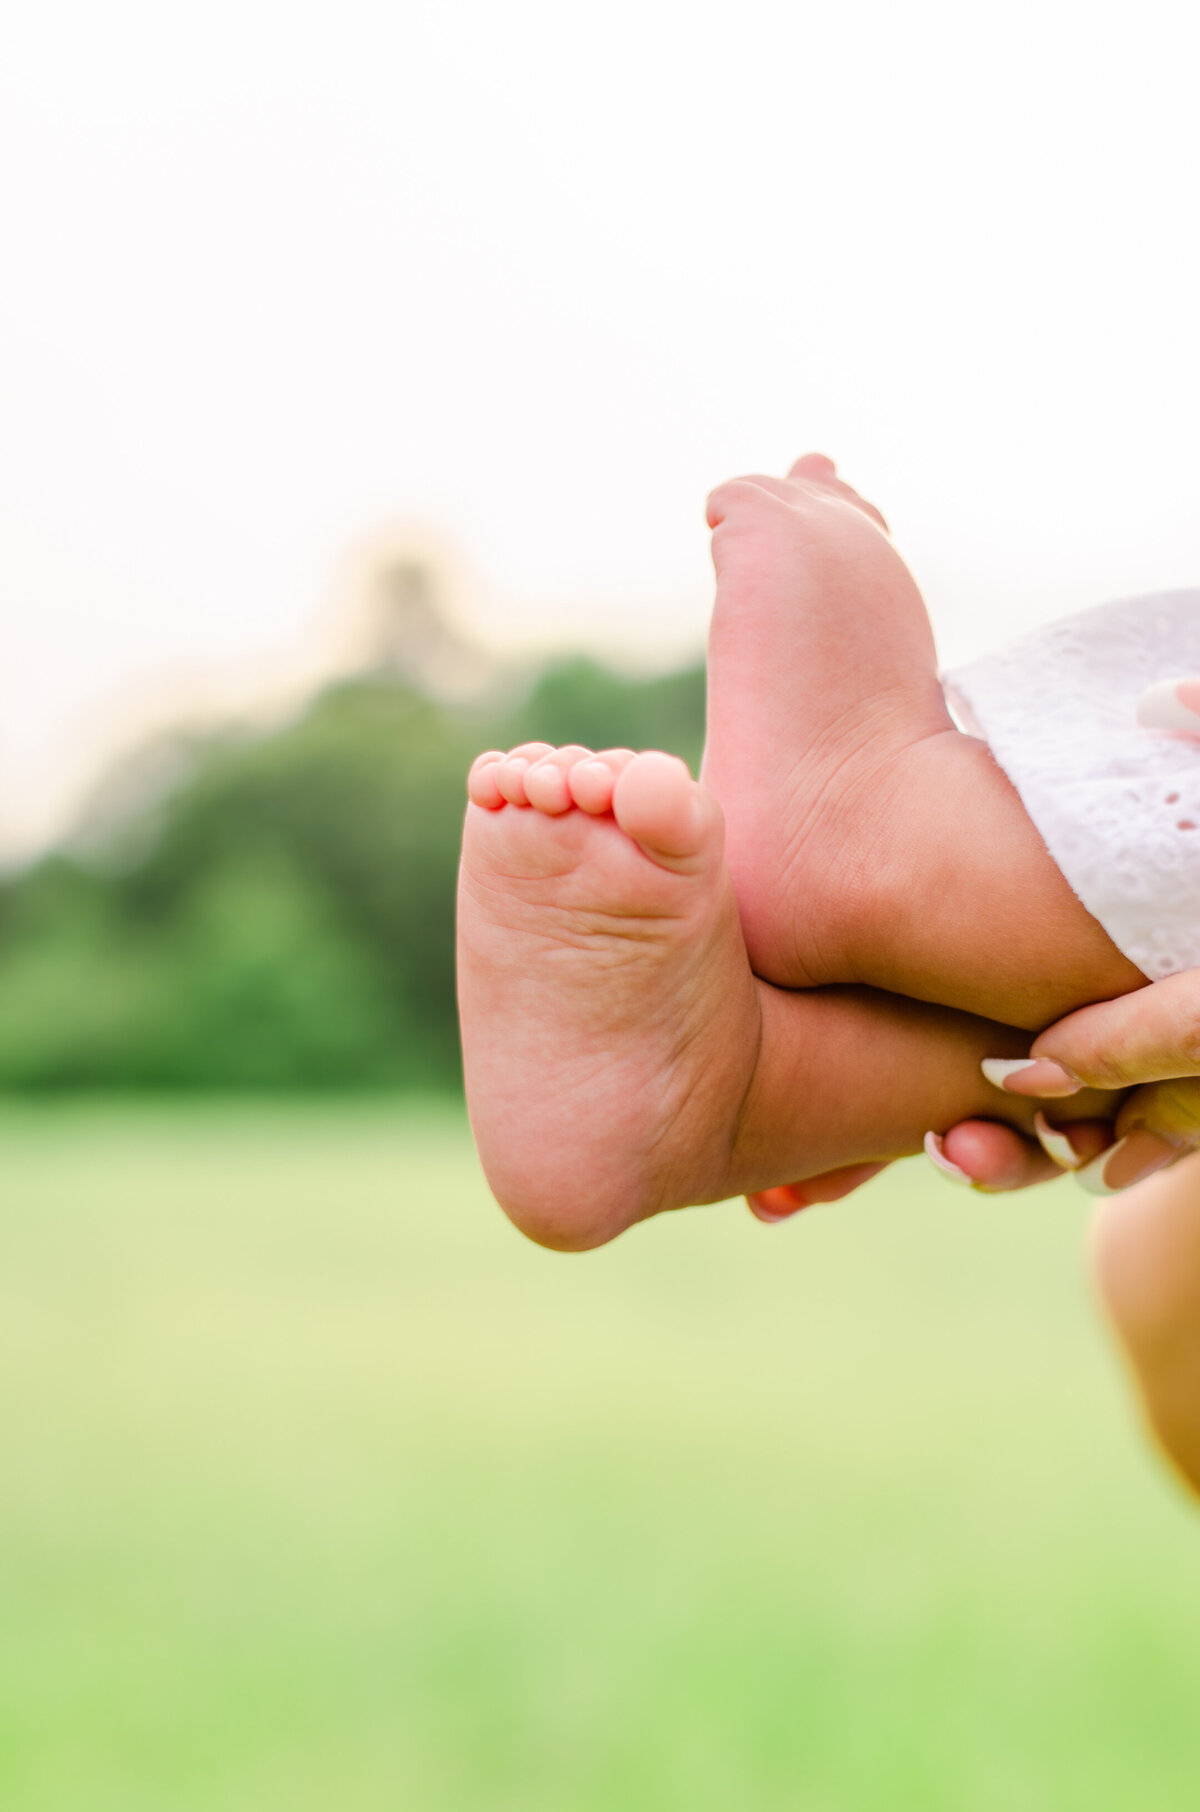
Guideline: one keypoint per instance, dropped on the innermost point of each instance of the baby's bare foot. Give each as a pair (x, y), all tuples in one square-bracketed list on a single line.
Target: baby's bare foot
[(868, 839), (610, 1019), (620, 1056), (822, 674)]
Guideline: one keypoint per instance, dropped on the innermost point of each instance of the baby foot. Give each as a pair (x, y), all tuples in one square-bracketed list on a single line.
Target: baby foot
[(869, 840), (610, 1020), (822, 674)]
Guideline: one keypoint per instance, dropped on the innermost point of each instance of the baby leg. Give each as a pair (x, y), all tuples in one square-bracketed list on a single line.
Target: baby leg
[(620, 1056), (868, 839)]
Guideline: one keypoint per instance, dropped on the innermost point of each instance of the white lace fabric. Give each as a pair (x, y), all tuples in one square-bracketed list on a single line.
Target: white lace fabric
[(1117, 806)]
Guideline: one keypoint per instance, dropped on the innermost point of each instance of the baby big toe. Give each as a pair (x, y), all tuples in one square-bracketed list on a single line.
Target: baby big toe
[(659, 805)]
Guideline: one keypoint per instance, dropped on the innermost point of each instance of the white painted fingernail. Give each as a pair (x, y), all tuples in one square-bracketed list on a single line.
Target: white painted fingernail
[(1091, 1176), (1172, 704), (999, 1069), (1131, 1160), (1056, 1144), (935, 1151), (1037, 1076)]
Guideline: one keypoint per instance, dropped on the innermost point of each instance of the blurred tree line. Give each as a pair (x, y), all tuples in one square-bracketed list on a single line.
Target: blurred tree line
[(284, 917)]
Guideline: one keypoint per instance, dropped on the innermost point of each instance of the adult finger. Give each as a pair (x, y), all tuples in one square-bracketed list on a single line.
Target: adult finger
[(1171, 704), (982, 1154), (1150, 1036), (996, 1159), (780, 1204), (1158, 1125)]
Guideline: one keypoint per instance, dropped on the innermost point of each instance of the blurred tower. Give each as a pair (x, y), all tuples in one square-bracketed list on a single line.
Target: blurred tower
[(403, 625)]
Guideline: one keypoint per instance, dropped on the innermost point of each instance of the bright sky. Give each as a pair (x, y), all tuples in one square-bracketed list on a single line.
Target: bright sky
[(272, 274)]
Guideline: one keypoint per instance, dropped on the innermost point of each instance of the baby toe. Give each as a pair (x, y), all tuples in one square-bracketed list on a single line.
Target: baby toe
[(546, 785), (481, 781), (510, 779), (813, 465), (531, 751), (659, 805), (592, 780)]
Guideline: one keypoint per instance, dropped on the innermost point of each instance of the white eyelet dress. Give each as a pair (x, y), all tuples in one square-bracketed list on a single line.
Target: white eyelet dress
[(1118, 806)]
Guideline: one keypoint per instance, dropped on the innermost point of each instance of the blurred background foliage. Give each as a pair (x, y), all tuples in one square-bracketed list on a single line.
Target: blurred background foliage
[(280, 914)]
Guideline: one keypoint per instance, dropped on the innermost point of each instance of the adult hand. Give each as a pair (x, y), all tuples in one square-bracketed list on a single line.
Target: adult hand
[(1149, 1041), (981, 1154)]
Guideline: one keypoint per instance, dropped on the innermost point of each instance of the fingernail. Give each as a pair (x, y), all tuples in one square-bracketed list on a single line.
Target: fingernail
[(1029, 1076), (1056, 1144), (1131, 1160), (1172, 704), (935, 1151), (771, 1205)]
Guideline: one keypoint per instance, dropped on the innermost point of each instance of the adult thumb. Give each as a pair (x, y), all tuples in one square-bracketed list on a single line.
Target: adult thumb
[(1150, 1036)]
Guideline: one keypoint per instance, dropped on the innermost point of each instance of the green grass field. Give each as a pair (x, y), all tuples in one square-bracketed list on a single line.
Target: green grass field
[(321, 1488)]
